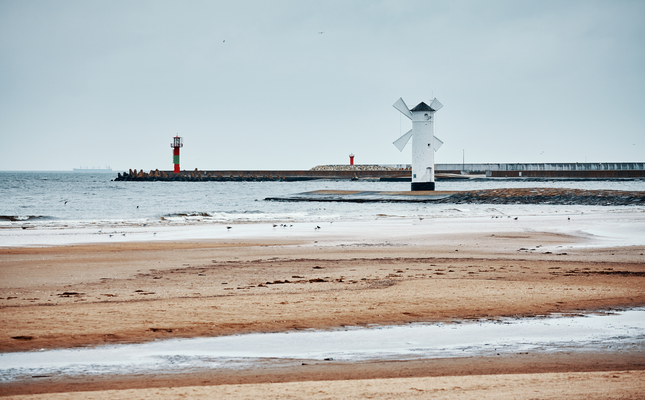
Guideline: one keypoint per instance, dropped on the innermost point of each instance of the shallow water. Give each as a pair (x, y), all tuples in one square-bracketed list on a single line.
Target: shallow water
[(593, 332), (64, 199)]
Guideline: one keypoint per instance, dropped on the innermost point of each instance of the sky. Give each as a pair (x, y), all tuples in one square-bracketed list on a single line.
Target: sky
[(291, 84)]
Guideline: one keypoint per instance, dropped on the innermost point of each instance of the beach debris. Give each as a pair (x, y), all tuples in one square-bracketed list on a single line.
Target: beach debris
[(22, 337), (70, 294)]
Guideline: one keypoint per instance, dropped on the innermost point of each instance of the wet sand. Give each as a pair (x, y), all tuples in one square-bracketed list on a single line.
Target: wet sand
[(86, 295)]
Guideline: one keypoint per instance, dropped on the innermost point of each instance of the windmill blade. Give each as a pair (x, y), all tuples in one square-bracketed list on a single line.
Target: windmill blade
[(403, 140), (437, 143), (402, 107), (436, 105)]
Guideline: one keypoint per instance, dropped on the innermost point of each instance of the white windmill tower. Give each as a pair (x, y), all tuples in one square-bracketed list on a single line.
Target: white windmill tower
[(424, 143)]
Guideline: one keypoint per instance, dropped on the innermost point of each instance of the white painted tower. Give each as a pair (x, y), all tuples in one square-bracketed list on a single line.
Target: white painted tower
[(424, 143)]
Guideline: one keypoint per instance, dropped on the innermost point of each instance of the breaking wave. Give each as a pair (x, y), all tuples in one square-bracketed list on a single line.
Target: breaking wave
[(21, 218)]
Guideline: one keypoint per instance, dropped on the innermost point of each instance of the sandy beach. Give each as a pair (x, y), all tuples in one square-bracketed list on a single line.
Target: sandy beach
[(388, 272)]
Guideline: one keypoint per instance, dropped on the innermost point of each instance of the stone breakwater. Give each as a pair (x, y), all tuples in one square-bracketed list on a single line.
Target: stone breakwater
[(354, 168), (548, 196), (196, 176), (361, 172)]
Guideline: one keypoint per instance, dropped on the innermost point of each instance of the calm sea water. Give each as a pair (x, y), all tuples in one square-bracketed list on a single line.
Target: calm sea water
[(63, 198)]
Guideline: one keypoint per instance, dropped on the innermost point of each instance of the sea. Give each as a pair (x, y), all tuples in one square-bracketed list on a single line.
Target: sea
[(68, 199)]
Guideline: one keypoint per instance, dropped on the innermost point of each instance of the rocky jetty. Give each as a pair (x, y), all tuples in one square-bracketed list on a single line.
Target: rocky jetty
[(195, 176), (548, 196), (363, 167)]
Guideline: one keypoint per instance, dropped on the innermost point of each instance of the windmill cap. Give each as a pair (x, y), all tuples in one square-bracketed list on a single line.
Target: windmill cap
[(422, 107)]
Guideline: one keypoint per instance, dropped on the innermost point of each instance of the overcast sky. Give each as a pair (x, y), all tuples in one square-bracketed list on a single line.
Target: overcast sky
[(293, 84)]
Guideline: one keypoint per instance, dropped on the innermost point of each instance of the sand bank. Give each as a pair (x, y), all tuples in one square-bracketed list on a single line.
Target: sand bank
[(394, 271)]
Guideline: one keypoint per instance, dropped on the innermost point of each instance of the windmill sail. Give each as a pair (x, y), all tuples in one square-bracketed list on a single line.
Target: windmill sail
[(437, 143), (403, 140), (436, 105), (402, 107)]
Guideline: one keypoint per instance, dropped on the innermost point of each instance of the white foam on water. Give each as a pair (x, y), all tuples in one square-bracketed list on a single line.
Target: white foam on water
[(594, 332), (599, 229)]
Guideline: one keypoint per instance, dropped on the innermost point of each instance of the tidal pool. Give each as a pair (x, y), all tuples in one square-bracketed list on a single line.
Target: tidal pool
[(623, 330)]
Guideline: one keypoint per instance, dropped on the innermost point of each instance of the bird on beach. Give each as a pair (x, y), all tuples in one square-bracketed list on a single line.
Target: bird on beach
[(274, 225), (316, 228), (229, 227), (515, 218)]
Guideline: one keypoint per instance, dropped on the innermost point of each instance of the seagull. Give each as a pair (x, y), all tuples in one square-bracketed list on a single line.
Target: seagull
[(316, 228), (515, 218), (229, 227), (123, 234), (274, 225), (65, 202)]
